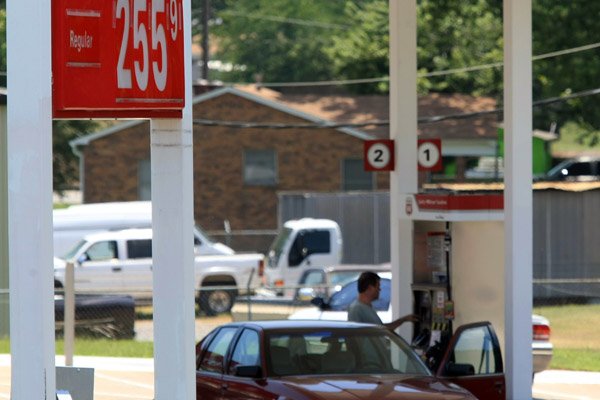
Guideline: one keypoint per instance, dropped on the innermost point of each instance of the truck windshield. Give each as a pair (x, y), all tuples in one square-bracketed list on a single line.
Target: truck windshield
[(202, 233), (277, 246), (71, 253)]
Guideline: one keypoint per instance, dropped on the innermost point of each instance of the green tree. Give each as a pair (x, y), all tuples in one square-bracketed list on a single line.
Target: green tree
[(445, 39), (65, 163), (559, 25), (278, 40)]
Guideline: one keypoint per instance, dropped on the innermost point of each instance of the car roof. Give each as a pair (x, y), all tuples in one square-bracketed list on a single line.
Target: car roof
[(143, 233), (355, 267), (287, 324), (309, 223)]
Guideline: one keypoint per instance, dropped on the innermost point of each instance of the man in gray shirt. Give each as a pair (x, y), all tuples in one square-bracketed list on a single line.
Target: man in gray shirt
[(361, 310)]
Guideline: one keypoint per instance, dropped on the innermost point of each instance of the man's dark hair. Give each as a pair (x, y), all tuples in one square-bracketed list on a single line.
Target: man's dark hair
[(367, 279)]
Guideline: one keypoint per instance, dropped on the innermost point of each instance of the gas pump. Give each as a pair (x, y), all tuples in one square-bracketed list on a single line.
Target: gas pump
[(432, 294), (458, 267)]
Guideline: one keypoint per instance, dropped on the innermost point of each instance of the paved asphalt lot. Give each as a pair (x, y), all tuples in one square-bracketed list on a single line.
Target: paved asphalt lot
[(133, 379)]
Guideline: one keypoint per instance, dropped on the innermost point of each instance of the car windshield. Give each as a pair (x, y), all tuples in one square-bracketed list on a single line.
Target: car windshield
[(341, 300), (342, 277), (341, 351)]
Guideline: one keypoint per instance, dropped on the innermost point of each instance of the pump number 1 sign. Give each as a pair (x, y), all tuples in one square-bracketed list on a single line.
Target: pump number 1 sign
[(117, 58), (429, 154)]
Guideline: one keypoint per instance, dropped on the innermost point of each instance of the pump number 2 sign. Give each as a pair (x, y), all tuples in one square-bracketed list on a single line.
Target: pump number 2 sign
[(117, 58), (378, 155)]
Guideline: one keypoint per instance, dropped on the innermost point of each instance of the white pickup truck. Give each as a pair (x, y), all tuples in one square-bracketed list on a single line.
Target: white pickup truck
[(300, 244), (121, 262)]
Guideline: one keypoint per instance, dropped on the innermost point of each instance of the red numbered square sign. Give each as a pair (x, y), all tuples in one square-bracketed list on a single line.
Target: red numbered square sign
[(117, 58), (379, 155)]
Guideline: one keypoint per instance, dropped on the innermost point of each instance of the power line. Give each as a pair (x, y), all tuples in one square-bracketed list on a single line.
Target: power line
[(422, 120), (427, 74), (295, 21)]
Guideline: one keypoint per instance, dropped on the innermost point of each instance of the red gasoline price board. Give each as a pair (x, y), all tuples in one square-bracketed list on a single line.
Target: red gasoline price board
[(117, 58)]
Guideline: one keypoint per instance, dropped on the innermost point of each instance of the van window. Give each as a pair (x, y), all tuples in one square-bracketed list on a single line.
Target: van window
[(139, 248), (307, 243), (100, 251)]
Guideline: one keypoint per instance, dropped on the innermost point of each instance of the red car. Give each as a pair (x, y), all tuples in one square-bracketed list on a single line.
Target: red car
[(302, 360)]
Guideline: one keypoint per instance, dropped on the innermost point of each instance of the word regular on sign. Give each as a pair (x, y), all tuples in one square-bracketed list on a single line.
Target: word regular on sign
[(120, 58)]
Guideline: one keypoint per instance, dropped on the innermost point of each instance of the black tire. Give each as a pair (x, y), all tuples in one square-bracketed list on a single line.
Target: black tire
[(217, 301)]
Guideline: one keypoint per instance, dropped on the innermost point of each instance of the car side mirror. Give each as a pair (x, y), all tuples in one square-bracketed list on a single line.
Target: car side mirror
[(453, 369), (248, 371), (306, 293)]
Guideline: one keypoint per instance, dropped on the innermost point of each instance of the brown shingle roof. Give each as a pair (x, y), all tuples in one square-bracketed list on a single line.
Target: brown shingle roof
[(362, 108)]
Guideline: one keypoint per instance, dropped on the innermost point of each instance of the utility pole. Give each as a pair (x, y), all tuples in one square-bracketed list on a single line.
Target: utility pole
[(205, 50)]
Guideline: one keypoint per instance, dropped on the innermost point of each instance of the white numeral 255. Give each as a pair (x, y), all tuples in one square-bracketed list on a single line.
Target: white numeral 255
[(140, 38)]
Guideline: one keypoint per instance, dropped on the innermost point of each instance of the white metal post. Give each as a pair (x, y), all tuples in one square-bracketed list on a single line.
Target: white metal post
[(173, 245), (69, 313), (30, 200), (518, 197), (4, 304), (403, 129)]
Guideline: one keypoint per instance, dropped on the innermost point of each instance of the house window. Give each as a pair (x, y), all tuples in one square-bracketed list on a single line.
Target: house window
[(144, 180), (354, 176), (260, 167)]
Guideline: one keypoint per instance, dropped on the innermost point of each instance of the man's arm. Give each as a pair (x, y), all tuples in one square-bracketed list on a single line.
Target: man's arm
[(394, 324)]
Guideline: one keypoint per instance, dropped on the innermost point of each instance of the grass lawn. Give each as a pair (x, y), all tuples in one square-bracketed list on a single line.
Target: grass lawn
[(100, 347), (575, 336)]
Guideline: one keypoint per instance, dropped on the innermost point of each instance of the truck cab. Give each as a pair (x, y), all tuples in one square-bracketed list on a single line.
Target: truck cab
[(300, 244)]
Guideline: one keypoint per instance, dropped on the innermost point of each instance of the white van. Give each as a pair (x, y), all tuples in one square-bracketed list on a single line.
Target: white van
[(73, 223), (300, 244)]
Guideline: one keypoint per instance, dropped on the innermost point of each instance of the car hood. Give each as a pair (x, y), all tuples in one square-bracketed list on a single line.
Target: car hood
[(375, 387)]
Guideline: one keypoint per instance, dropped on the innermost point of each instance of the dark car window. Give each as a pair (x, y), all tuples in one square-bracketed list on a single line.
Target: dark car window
[(580, 168), (341, 300), (139, 248), (246, 351), (308, 242), (574, 170), (339, 351), (213, 358)]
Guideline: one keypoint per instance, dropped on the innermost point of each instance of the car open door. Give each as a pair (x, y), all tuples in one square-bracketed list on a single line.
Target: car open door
[(473, 360)]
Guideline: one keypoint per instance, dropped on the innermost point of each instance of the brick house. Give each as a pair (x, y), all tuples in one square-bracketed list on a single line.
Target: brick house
[(239, 171)]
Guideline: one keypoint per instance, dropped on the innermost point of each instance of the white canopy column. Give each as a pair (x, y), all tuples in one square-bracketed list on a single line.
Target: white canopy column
[(518, 214), (403, 130), (30, 200)]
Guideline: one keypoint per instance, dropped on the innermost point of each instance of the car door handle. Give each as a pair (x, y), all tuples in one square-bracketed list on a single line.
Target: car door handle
[(499, 385), (224, 386), (117, 269)]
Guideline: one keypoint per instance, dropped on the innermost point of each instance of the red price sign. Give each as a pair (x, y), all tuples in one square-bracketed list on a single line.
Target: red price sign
[(117, 58)]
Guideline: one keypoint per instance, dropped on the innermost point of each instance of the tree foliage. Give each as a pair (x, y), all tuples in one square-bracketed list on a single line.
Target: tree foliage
[(559, 25), (278, 40), (65, 163)]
